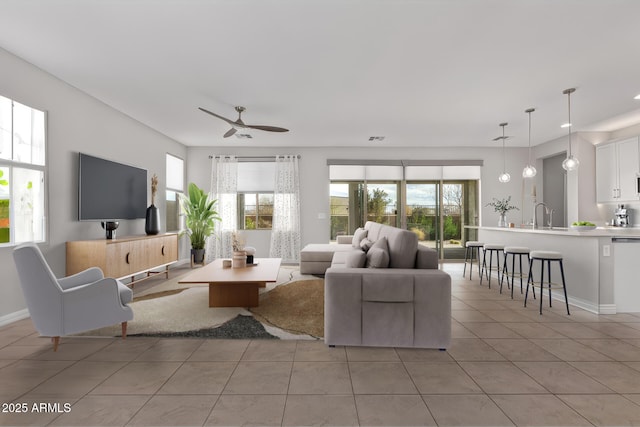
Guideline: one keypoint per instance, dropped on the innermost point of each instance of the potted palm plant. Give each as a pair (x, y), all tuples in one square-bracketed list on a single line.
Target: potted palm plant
[(200, 219)]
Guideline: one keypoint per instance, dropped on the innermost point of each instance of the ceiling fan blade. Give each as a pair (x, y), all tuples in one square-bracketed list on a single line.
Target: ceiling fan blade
[(215, 115), (268, 128), (230, 132)]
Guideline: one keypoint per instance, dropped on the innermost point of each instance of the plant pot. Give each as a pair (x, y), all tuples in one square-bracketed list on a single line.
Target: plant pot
[(152, 221), (197, 255)]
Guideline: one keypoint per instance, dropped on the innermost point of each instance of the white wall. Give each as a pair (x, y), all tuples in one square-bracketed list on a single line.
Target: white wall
[(76, 122), (314, 179)]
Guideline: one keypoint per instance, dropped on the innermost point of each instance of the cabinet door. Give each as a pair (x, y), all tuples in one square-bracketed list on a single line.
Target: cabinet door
[(170, 248), (606, 173), (139, 256), (628, 169), (118, 259)]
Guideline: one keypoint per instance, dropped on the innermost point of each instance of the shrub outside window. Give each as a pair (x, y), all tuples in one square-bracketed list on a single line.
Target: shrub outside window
[(256, 211)]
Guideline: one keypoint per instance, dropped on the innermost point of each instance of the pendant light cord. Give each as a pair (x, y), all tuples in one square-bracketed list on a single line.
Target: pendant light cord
[(504, 161), (570, 124)]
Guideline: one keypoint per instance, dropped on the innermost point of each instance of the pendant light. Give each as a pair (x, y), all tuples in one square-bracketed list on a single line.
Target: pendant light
[(529, 171), (570, 163), (504, 176)]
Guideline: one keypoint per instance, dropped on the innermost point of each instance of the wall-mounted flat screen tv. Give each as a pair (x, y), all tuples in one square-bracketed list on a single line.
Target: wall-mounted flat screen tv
[(110, 190)]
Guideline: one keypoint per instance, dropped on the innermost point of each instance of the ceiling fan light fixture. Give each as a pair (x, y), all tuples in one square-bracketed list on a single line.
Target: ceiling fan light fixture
[(565, 125), (637, 96)]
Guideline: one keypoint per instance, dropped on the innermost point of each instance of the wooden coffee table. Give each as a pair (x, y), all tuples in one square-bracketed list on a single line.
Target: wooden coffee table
[(235, 287)]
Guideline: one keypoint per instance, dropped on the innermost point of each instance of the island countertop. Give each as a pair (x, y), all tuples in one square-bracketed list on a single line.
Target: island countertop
[(613, 232)]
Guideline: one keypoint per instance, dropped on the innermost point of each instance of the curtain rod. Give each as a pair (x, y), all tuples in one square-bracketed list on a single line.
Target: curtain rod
[(252, 158)]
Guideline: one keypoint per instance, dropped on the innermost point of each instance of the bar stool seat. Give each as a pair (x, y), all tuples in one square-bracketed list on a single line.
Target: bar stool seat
[(514, 251), (470, 246), (491, 248), (547, 256)]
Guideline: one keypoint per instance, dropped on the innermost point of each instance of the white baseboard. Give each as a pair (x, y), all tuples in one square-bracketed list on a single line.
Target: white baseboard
[(608, 309), (14, 317), (580, 303)]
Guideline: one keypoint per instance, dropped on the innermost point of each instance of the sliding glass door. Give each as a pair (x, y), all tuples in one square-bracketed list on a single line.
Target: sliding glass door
[(438, 212), (435, 202)]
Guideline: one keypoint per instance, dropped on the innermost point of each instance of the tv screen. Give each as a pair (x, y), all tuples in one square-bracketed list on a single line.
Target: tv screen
[(110, 191)]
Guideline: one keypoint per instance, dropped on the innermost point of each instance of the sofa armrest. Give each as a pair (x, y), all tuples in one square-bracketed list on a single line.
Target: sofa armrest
[(344, 239), (426, 258)]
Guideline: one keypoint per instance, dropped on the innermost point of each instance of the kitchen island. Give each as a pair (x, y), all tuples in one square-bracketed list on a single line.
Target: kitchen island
[(600, 265)]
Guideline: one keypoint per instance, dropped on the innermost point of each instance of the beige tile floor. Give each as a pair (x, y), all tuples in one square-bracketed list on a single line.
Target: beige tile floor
[(507, 365)]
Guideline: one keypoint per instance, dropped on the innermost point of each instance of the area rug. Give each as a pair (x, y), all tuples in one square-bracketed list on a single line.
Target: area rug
[(297, 307), (291, 310)]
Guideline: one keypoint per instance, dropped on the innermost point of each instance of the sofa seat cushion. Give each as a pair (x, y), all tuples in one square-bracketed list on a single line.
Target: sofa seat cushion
[(322, 252)]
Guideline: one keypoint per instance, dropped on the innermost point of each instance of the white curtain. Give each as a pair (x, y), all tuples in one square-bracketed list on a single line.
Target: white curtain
[(285, 233), (224, 189)]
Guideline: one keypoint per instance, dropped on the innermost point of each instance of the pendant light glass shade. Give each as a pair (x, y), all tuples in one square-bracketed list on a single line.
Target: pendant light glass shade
[(529, 171), (504, 176), (571, 163)]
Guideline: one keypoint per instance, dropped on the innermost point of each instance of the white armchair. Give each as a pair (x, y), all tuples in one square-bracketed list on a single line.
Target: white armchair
[(78, 303)]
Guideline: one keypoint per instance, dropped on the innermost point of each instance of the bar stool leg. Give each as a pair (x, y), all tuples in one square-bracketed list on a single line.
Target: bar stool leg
[(564, 288), (490, 271), (513, 271), (529, 280), (549, 273), (542, 284), (466, 252), (502, 277), (484, 265)]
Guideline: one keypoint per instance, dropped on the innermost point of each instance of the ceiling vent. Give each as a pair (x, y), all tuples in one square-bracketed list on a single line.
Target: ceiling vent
[(376, 138)]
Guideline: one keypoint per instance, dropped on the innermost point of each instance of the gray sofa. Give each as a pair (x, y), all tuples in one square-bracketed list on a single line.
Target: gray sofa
[(406, 304), (316, 258)]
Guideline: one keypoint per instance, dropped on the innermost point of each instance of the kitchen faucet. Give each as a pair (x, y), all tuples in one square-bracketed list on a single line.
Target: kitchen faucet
[(547, 209)]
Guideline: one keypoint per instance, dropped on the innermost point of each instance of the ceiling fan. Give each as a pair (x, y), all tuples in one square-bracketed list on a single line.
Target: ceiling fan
[(239, 124)]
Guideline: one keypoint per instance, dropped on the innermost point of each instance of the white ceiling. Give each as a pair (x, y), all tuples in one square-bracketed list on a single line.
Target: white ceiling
[(335, 72)]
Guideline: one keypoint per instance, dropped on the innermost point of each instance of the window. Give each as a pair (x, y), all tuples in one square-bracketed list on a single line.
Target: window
[(175, 187), (256, 210), (22, 173), (255, 195)]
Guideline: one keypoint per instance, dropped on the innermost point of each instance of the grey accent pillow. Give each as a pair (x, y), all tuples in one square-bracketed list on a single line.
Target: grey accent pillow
[(356, 259), (381, 243), (377, 258), (359, 234), (365, 244)]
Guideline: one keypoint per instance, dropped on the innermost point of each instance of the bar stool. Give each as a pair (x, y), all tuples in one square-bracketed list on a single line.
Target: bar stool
[(491, 248), (470, 246), (543, 256), (514, 251)]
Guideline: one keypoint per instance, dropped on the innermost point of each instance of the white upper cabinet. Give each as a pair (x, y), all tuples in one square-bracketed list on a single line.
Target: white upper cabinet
[(617, 169)]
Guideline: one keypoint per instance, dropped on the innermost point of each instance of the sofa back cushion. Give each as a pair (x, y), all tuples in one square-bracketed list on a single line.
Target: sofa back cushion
[(403, 244)]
